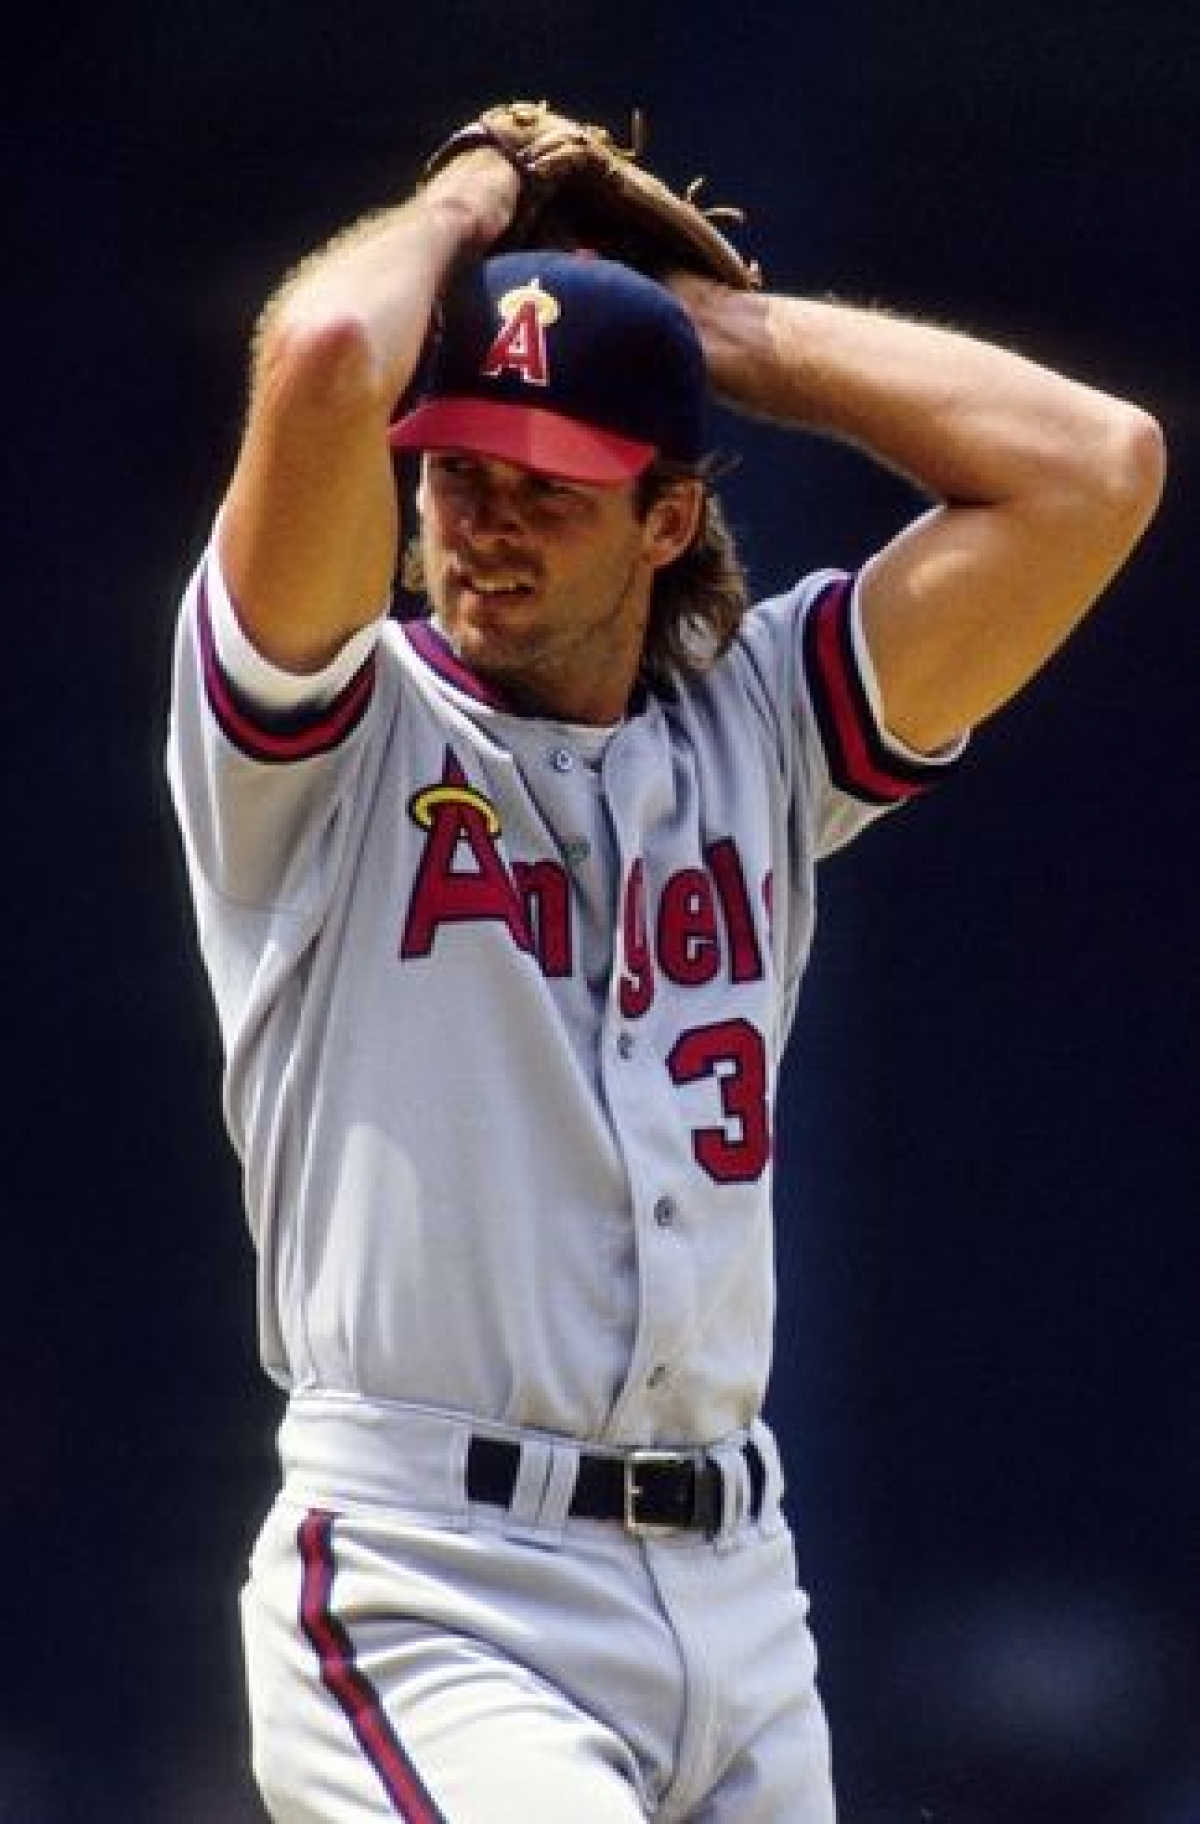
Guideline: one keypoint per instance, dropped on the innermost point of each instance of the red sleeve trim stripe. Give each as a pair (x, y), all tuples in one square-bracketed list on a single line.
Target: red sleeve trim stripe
[(354, 1694), (860, 762), (278, 740)]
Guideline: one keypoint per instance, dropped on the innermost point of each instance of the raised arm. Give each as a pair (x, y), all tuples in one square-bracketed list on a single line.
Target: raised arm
[(1043, 487), (310, 524)]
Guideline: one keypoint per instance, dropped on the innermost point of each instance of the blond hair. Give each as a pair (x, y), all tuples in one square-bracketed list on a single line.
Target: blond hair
[(698, 600)]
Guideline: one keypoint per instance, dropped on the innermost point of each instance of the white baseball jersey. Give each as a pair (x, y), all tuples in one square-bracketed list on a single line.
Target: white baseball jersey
[(503, 1002)]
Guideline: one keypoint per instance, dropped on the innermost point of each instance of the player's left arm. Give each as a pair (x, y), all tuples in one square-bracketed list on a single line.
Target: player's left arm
[(1042, 486)]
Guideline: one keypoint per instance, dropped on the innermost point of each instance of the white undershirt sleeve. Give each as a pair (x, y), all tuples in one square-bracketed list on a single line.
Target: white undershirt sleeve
[(269, 686)]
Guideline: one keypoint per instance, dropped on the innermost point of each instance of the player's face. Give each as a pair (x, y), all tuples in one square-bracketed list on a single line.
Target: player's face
[(542, 586)]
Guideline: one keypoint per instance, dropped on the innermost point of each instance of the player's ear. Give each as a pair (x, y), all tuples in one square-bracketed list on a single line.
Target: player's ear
[(672, 521)]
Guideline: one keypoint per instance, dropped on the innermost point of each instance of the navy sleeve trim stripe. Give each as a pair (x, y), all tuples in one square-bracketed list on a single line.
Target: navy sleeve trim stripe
[(860, 761), (278, 740)]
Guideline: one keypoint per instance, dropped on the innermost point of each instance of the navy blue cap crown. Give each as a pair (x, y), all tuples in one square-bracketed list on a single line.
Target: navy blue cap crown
[(568, 363)]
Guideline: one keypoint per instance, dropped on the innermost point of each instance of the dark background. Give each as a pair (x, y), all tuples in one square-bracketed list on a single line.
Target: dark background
[(988, 1380)]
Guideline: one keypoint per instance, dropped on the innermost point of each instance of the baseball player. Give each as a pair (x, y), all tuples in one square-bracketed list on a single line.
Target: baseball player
[(505, 911)]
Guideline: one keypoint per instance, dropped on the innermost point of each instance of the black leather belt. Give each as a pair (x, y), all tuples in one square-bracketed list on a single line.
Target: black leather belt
[(648, 1491)]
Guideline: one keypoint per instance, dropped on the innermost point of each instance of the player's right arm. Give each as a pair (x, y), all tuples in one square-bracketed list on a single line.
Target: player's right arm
[(309, 529)]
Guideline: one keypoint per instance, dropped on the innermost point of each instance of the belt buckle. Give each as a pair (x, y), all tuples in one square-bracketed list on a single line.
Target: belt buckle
[(635, 1461)]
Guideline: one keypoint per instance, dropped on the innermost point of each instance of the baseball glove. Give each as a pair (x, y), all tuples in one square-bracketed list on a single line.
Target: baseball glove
[(580, 189)]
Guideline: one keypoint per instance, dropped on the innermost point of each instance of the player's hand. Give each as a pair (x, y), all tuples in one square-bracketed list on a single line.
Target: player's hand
[(731, 324), (483, 188)]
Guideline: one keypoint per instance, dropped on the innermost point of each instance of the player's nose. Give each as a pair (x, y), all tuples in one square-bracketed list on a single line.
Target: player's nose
[(498, 500), (488, 528), (491, 511)]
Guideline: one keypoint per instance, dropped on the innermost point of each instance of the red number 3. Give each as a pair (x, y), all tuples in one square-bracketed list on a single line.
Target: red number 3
[(733, 1052)]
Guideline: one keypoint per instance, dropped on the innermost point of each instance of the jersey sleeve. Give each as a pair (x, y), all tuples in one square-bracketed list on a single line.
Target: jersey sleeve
[(268, 690), (260, 760), (851, 768), (869, 769)]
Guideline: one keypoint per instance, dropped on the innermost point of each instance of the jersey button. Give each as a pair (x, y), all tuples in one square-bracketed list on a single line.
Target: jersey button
[(664, 1212), (625, 1044), (658, 1376), (577, 852), (562, 759)]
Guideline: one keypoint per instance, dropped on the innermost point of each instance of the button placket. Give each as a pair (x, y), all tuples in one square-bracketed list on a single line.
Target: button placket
[(640, 793)]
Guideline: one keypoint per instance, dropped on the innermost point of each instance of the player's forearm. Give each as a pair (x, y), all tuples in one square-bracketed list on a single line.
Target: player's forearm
[(966, 421), (360, 306)]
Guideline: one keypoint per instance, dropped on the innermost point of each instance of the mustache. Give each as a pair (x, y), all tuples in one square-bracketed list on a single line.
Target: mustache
[(414, 573), (498, 567)]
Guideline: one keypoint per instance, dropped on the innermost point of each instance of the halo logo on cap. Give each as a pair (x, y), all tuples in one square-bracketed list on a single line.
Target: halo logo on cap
[(520, 347)]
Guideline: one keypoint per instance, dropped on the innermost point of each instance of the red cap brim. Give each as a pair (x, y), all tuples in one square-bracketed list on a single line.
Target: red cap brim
[(527, 435)]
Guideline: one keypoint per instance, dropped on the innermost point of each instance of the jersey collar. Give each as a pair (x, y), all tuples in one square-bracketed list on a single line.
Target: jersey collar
[(431, 645)]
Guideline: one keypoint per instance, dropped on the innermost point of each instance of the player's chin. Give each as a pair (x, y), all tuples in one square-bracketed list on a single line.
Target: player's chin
[(497, 620)]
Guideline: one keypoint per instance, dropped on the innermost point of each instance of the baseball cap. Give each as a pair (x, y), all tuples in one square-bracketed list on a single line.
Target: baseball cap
[(565, 363)]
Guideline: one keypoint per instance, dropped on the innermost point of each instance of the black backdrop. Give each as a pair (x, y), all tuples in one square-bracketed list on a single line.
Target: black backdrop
[(987, 1376)]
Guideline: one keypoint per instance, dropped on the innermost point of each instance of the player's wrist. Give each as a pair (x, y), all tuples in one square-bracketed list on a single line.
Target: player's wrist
[(474, 197)]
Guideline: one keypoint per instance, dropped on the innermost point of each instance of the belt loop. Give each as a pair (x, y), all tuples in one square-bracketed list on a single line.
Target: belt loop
[(458, 1443), (763, 1439), (730, 1459), (529, 1489), (560, 1486), (541, 1496)]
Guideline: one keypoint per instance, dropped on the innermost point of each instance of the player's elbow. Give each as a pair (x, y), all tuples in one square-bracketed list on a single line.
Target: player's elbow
[(1130, 470), (1101, 488), (320, 367)]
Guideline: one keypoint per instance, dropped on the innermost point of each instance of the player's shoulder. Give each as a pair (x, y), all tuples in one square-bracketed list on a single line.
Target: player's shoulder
[(772, 631), (756, 688), (784, 611)]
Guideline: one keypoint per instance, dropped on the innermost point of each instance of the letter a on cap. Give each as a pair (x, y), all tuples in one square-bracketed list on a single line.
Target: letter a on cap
[(520, 345)]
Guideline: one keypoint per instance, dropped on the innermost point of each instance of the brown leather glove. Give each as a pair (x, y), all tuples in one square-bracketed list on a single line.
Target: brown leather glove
[(579, 189)]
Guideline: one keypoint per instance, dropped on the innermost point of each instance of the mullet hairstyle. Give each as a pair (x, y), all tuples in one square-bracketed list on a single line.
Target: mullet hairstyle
[(697, 600)]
